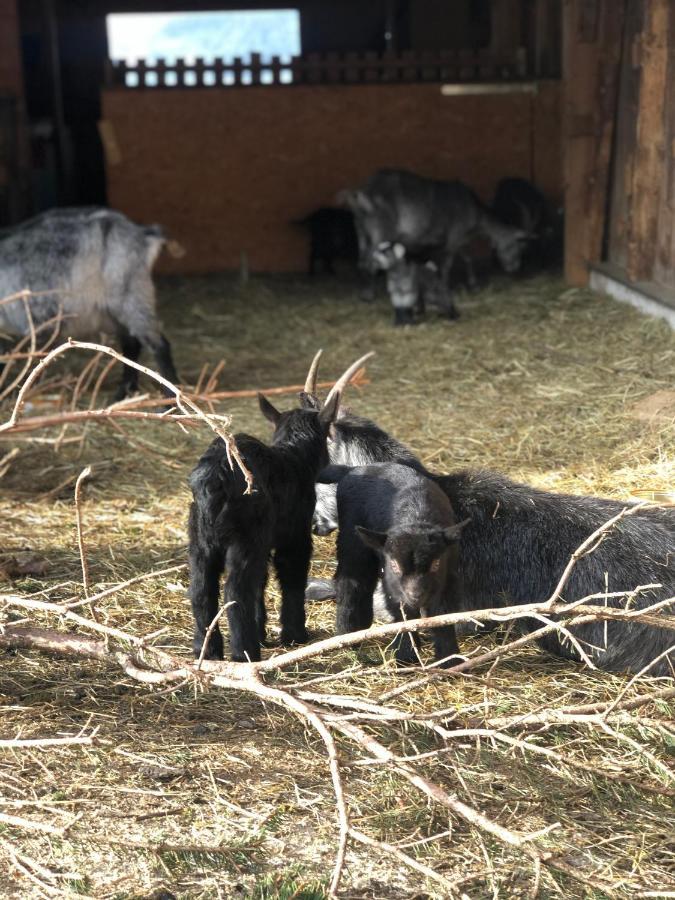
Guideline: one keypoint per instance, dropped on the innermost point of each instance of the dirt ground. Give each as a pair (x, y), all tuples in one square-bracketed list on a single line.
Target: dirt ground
[(213, 794)]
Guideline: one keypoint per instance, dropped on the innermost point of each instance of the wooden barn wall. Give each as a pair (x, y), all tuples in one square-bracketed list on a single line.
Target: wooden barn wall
[(642, 212), (226, 171), (10, 58), (13, 145), (591, 56)]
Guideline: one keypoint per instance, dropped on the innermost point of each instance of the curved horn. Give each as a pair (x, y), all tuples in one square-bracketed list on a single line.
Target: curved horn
[(310, 381), (346, 377)]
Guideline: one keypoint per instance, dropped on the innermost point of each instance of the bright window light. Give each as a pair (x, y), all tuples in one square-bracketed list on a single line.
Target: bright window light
[(210, 35)]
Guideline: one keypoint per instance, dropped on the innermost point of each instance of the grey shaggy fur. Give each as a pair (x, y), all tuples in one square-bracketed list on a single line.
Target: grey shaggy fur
[(99, 263)]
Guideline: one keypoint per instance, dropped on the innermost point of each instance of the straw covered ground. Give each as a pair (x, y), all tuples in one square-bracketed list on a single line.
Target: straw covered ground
[(213, 793)]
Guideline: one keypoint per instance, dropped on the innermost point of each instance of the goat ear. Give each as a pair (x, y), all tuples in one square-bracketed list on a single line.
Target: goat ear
[(374, 539), (452, 534), (362, 202), (270, 412), (329, 412), (398, 250)]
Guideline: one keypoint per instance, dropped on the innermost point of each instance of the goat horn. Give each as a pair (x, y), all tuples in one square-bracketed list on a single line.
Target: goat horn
[(310, 381), (345, 378)]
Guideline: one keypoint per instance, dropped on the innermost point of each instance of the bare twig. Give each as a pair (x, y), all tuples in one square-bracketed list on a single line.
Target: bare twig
[(84, 474)]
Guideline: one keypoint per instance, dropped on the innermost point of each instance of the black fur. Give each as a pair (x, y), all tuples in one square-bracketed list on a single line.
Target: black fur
[(520, 539), (356, 441), (237, 531), (519, 203), (396, 520), (332, 235)]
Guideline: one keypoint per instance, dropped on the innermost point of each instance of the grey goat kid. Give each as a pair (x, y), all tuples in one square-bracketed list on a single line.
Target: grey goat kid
[(94, 266), (395, 521), (412, 284)]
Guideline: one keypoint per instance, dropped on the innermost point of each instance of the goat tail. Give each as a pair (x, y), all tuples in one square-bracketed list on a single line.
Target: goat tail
[(333, 474), (157, 238)]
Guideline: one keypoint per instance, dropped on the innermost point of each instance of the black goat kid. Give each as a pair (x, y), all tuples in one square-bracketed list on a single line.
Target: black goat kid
[(229, 529), (395, 520)]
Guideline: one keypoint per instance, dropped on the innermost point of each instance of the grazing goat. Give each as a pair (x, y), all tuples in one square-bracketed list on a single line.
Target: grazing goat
[(427, 216), (519, 540), (395, 520), (94, 266), (231, 529)]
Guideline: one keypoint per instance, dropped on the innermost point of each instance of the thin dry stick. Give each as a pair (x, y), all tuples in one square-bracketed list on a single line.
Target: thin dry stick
[(182, 401), (30, 825), (435, 792), (19, 743), (32, 347), (94, 598), (209, 632), (636, 677), (591, 543), (28, 867), (108, 415), (55, 323), (404, 858), (565, 714), (581, 615), (528, 747), (84, 474), (26, 294)]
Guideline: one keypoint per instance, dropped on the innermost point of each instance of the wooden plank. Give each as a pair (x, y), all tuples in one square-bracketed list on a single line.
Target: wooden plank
[(625, 139), (591, 70), (664, 267), (650, 148)]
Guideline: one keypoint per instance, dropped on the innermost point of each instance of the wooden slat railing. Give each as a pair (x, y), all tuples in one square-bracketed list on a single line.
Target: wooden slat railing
[(314, 68)]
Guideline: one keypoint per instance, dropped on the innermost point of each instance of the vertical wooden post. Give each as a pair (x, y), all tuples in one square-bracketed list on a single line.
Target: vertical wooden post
[(652, 49), (664, 268), (54, 62), (507, 26), (591, 54)]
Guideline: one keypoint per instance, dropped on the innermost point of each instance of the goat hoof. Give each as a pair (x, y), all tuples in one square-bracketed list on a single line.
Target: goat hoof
[(214, 650), (406, 662), (246, 655), (297, 636), (451, 662)]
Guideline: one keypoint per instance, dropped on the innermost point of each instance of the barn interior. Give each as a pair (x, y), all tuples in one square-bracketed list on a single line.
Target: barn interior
[(190, 789)]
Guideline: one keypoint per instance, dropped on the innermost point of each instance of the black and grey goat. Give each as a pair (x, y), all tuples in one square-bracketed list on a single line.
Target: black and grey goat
[(519, 540), (230, 529), (396, 521)]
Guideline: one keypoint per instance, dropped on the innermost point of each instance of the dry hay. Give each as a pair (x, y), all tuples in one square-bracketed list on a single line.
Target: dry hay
[(215, 795)]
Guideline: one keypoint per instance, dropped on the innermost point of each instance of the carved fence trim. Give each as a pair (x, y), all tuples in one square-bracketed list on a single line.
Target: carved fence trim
[(330, 68)]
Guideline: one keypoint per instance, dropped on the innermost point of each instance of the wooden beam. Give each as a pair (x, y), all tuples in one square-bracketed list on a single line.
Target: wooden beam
[(652, 54), (664, 269), (592, 31)]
